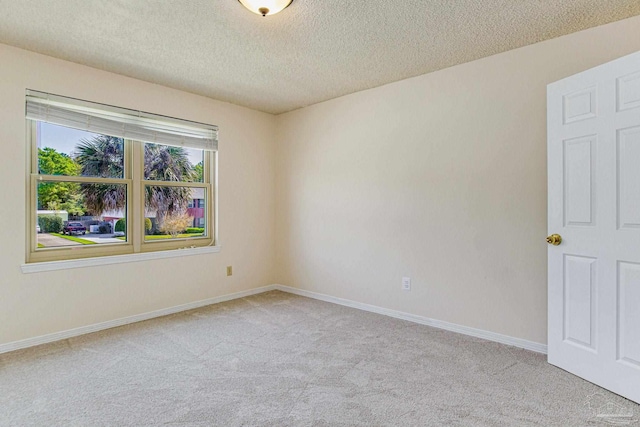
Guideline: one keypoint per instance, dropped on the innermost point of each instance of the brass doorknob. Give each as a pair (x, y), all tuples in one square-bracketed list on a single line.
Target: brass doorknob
[(554, 239)]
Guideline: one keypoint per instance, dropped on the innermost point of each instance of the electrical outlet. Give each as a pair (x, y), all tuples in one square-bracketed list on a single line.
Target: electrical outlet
[(406, 283), (229, 270)]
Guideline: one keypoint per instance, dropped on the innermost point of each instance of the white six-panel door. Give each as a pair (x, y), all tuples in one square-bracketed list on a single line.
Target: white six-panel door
[(594, 204)]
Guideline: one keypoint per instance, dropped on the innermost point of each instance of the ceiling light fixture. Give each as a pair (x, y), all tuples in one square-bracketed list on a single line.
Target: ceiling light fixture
[(265, 7)]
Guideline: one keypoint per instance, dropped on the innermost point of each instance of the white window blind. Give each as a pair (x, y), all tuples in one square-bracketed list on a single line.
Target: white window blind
[(120, 122)]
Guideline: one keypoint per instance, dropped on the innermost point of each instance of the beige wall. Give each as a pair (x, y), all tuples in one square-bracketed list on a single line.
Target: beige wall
[(441, 178), (35, 304)]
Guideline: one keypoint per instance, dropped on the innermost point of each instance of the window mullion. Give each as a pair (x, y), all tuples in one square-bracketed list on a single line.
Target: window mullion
[(32, 216), (212, 206), (79, 179), (135, 195), (175, 184)]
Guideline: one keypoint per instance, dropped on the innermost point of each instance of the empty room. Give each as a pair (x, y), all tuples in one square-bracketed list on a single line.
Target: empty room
[(320, 213)]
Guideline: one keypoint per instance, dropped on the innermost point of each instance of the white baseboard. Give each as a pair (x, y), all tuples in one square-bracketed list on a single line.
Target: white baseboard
[(57, 336), (478, 333)]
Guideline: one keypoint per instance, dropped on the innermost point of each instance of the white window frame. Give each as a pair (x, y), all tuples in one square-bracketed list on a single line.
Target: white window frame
[(136, 247)]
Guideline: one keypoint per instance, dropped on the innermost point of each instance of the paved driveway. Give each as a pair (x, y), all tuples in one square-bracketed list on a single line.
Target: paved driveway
[(101, 238), (50, 241)]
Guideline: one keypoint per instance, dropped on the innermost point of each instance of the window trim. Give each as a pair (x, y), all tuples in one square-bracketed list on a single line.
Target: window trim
[(39, 267), (135, 245)]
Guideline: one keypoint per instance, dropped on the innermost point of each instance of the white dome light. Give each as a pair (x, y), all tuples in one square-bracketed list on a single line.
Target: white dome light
[(265, 7)]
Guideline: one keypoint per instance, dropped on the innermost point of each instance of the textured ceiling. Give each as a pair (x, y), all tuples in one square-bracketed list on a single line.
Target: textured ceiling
[(312, 51)]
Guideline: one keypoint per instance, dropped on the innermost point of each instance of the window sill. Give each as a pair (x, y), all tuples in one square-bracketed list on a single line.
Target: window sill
[(115, 259)]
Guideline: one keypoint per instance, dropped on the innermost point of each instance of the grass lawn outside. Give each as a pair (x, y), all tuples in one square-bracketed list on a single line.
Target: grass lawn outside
[(40, 245), (74, 239)]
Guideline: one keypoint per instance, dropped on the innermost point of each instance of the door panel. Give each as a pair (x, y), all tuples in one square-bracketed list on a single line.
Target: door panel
[(580, 105), (580, 301), (579, 176), (628, 167), (628, 313), (593, 121), (628, 91)]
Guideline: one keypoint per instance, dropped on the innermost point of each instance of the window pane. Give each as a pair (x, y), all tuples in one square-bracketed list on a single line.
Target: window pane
[(77, 214), (72, 152), (173, 212), (167, 163)]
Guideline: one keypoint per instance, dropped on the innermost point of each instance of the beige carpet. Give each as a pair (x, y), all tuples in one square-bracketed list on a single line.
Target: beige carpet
[(277, 359)]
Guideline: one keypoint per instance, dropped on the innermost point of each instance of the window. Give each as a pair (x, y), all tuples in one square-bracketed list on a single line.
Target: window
[(109, 181)]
